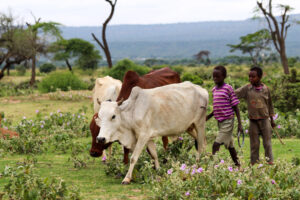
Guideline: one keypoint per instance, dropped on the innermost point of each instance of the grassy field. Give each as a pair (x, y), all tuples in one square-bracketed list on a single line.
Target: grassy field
[(92, 181)]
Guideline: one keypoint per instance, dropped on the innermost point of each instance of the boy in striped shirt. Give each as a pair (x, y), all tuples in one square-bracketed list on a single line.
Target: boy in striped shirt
[(225, 104)]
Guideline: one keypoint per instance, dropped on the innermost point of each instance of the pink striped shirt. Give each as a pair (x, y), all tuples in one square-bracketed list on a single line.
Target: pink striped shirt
[(224, 99)]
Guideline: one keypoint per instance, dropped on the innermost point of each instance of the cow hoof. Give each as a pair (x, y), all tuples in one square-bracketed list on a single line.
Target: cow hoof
[(126, 181)]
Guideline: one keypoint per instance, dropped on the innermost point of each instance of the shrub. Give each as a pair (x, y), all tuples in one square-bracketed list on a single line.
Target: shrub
[(25, 184), (59, 128), (191, 77), (21, 70), (119, 70), (286, 92), (64, 81), (11, 89), (47, 68)]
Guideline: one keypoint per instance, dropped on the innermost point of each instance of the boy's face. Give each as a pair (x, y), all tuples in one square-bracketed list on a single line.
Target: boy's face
[(254, 79), (218, 77)]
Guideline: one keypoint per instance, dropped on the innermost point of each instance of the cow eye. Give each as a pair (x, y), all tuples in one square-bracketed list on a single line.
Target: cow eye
[(114, 116)]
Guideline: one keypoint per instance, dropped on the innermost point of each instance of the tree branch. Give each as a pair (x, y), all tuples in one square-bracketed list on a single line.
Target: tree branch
[(96, 39)]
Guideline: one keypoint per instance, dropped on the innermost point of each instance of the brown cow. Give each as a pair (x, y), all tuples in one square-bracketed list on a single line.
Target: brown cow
[(131, 79)]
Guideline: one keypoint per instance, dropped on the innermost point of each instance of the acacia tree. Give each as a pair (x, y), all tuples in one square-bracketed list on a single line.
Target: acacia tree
[(84, 53), (39, 31), (203, 56), (104, 44), (278, 29), (14, 43), (253, 44)]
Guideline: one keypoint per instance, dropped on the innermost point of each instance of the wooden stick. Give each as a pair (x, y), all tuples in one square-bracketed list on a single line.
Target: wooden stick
[(278, 136)]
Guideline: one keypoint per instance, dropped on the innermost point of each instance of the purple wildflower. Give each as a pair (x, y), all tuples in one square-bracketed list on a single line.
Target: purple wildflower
[(246, 130), (42, 126), (183, 166), (260, 165), (60, 115), (5, 128), (180, 138), (239, 182), (230, 169), (275, 117), (278, 126), (216, 166), (199, 170), (170, 171), (222, 161), (58, 111), (37, 111), (187, 193), (193, 172), (104, 158), (24, 117), (273, 182)]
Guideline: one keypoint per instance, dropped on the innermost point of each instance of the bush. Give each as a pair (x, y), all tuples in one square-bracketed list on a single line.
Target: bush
[(11, 89), (191, 77), (119, 70), (25, 184), (21, 70), (59, 128), (47, 68), (64, 81), (286, 92)]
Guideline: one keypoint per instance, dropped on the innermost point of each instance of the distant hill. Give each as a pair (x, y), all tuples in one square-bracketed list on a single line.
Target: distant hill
[(180, 40)]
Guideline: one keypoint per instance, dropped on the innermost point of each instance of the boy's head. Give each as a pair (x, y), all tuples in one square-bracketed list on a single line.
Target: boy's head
[(219, 74), (255, 75)]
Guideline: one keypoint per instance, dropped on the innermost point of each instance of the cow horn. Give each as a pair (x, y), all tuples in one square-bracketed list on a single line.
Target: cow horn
[(120, 102), (99, 102)]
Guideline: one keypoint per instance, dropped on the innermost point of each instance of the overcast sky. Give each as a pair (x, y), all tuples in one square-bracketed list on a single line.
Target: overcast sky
[(94, 12)]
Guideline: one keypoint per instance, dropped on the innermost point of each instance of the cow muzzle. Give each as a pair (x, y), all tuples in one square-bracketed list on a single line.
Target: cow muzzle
[(101, 140)]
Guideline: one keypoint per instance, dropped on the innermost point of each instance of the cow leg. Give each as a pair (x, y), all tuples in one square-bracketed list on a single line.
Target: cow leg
[(165, 142), (153, 153), (126, 153), (141, 142), (201, 139)]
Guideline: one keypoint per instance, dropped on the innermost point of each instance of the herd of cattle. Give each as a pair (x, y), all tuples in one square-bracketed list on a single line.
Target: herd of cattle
[(142, 108)]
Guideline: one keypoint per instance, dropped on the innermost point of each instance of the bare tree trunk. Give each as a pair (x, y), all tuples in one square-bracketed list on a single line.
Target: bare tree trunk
[(68, 64), (284, 62), (104, 46), (8, 71), (278, 33), (32, 81), (6, 66)]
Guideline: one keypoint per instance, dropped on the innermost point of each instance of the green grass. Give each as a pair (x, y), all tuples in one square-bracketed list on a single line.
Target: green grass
[(92, 181)]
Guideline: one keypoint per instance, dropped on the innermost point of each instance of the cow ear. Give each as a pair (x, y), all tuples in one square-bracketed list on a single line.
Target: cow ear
[(120, 102), (99, 102)]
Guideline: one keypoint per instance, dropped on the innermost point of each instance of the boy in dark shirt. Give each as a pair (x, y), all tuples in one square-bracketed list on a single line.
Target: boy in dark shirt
[(260, 108)]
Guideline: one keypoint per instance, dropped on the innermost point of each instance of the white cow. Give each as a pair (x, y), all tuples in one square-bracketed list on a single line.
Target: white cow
[(148, 113), (106, 88)]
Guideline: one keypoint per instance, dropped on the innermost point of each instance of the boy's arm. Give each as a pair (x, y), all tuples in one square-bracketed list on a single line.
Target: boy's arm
[(210, 115), (238, 116), (241, 92)]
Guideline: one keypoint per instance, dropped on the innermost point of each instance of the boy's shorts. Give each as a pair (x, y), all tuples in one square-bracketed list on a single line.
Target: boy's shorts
[(225, 132)]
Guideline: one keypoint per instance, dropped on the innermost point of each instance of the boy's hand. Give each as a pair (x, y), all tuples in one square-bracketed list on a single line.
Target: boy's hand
[(272, 123), (240, 128)]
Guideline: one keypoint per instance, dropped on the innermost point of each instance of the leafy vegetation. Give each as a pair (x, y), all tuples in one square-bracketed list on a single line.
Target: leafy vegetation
[(61, 80)]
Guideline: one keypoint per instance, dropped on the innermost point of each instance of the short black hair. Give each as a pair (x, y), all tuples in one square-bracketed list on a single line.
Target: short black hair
[(222, 69), (258, 70)]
